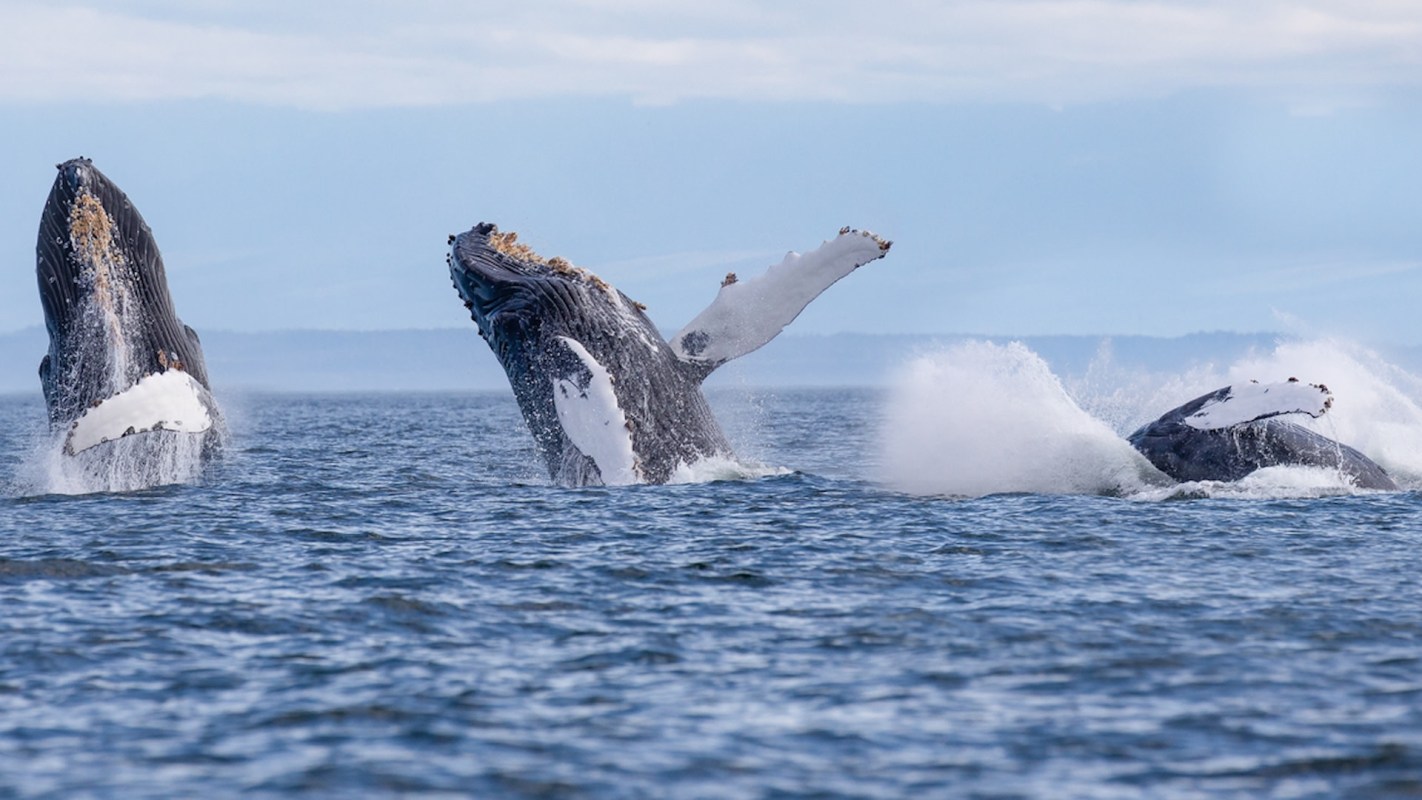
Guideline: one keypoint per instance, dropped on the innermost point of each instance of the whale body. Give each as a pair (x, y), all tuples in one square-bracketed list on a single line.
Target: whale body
[(1233, 431), (607, 398), (121, 364)]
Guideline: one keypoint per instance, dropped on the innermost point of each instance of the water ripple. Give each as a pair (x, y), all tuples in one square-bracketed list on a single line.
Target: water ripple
[(417, 613)]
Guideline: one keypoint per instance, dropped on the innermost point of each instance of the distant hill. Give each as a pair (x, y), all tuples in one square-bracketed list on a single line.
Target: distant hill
[(305, 360), (456, 359)]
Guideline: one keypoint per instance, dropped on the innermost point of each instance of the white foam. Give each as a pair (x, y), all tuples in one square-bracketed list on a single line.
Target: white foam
[(722, 468), (1269, 483)]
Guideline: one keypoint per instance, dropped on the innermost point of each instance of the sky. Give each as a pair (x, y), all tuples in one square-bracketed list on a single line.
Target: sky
[(1043, 167)]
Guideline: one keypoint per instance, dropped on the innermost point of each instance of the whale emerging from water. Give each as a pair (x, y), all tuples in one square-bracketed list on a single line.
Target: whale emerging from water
[(1233, 431), (120, 362), (608, 400)]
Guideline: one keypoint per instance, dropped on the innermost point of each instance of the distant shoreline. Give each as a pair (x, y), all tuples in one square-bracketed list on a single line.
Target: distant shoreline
[(455, 360)]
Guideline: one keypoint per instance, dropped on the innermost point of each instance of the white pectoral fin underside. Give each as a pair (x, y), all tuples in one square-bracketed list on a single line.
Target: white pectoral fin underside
[(164, 401), (593, 421), (748, 313), (1249, 402)]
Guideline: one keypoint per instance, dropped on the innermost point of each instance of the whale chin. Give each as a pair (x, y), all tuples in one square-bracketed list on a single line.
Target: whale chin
[(171, 401)]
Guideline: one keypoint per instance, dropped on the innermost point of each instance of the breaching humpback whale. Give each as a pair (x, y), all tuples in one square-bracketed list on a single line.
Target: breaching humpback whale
[(608, 400), (120, 362), (1233, 431)]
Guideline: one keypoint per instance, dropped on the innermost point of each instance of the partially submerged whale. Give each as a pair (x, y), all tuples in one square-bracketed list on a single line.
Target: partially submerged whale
[(1233, 431), (120, 362), (608, 400)]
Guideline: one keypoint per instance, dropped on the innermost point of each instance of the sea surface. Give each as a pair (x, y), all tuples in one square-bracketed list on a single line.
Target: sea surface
[(381, 595)]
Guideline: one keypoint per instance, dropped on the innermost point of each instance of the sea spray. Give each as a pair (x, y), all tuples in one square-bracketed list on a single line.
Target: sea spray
[(1126, 397), (1375, 407), (125, 465), (980, 418)]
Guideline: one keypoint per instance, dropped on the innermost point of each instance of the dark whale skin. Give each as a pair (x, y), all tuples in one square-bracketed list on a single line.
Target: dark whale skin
[(525, 305), (102, 285), (1228, 454)]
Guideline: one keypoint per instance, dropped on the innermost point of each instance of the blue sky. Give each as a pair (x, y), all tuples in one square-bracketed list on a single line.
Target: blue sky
[(1089, 166)]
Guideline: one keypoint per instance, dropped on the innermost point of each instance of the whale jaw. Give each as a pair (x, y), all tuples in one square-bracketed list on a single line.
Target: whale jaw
[(171, 401)]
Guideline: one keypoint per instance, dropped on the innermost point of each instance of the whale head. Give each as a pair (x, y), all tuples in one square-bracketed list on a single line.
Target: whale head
[(109, 315), (519, 299), (603, 394)]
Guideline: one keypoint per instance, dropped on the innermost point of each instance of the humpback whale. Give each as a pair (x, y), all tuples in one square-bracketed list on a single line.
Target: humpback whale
[(1235, 430), (607, 398), (120, 362)]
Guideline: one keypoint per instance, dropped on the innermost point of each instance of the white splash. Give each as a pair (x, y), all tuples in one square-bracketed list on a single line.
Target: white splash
[(980, 418), (1267, 483)]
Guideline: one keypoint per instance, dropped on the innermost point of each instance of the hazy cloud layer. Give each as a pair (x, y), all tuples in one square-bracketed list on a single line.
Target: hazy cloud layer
[(435, 52)]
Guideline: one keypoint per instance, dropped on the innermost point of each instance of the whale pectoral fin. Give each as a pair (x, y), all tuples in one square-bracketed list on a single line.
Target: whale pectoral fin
[(591, 417), (164, 401), (1250, 402), (748, 313)]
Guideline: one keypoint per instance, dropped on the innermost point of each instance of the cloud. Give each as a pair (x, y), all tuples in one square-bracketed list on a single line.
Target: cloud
[(437, 52)]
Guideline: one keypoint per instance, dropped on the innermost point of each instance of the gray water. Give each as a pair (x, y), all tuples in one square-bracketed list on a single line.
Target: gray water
[(381, 595)]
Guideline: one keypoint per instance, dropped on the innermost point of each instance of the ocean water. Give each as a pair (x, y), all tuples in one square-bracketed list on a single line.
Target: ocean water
[(381, 595)]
